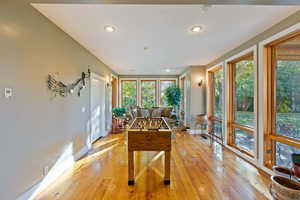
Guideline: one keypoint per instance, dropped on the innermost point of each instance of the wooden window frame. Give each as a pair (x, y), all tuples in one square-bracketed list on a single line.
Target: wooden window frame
[(231, 125), (136, 94), (141, 92), (164, 80), (270, 135), (211, 98)]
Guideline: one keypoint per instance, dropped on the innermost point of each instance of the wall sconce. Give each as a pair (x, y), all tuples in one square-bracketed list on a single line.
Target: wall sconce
[(200, 82), (108, 82)]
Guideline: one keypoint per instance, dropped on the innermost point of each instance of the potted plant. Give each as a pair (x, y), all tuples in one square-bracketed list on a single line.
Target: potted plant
[(118, 112), (173, 97)]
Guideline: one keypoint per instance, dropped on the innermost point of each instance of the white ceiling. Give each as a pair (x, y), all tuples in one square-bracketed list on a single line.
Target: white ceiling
[(164, 29)]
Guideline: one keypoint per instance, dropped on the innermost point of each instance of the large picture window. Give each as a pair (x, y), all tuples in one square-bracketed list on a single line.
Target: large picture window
[(241, 104), (129, 93), (215, 101), (164, 84), (148, 93), (283, 100)]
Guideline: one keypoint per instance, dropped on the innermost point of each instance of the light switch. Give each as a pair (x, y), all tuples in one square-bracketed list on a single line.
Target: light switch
[(83, 109), (8, 92)]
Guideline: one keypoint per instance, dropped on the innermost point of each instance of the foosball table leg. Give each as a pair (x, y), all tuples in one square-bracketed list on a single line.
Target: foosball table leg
[(130, 182), (130, 167), (167, 167)]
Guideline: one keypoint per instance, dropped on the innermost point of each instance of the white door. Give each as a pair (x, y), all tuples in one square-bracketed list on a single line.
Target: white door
[(97, 107)]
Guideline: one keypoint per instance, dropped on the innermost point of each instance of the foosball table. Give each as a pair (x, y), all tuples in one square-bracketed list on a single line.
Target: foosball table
[(149, 134)]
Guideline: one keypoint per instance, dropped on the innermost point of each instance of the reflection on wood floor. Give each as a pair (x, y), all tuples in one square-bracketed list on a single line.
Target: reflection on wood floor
[(197, 172)]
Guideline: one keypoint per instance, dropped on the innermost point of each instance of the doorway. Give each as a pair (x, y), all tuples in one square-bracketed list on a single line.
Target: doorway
[(114, 87), (97, 107), (183, 106)]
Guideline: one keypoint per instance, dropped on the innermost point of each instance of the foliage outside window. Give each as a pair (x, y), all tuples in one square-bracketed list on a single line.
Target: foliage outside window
[(218, 93), (244, 92), (241, 109), (129, 93), (215, 101), (148, 92), (165, 84), (283, 80), (288, 98)]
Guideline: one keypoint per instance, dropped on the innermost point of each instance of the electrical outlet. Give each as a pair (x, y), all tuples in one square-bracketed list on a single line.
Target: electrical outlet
[(45, 170), (8, 92)]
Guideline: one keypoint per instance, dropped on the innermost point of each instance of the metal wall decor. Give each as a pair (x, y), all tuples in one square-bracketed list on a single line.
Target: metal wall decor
[(63, 90)]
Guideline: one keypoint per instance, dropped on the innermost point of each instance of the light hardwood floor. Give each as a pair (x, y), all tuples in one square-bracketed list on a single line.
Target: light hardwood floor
[(197, 172)]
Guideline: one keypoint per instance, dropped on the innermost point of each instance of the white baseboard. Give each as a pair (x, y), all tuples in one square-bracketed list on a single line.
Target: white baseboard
[(83, 151), (56, 171)]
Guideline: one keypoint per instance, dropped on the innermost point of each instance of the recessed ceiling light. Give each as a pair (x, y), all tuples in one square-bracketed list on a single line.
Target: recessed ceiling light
[(109, 28), (196, 29), (167, 70)]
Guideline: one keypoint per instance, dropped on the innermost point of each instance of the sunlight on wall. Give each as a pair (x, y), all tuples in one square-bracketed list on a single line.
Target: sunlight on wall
[(95, 126), (64, 162)]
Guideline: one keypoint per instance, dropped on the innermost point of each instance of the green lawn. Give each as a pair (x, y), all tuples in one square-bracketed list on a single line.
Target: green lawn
[(288, 124)]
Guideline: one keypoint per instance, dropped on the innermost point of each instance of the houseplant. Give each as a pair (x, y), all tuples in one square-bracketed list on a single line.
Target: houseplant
[(118, 112), (173, 97)]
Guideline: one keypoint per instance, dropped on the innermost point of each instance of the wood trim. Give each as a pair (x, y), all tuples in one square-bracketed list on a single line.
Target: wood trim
[(284, 39), (230, 113), (231, 124), (160, 81), (211, 97), (155, 95), (243, 128), (216, 119), (136, 95), (215, 68), (270, 136), (243, 151), (248, 56), (285, 140)]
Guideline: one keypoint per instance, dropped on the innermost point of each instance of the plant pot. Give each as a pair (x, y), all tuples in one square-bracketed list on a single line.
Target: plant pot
[(283, 188), (295, 158), (282, 171), (296, 170)]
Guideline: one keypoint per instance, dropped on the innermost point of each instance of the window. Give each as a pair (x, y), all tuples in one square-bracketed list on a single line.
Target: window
[(129, 93), (148, 92), (283, 100), (241, 104), (215, 101), (164, 84)]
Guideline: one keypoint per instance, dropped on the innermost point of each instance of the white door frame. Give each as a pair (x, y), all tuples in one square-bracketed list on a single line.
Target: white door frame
[(185, 95), (96, 76)]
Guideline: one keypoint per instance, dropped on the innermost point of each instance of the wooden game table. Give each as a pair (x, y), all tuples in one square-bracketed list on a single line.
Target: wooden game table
[(149, 134)]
